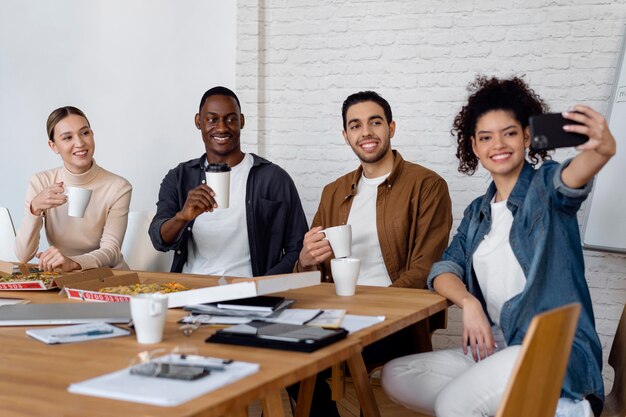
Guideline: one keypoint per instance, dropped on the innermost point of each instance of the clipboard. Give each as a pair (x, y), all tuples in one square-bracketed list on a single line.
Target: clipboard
[(299, 338)]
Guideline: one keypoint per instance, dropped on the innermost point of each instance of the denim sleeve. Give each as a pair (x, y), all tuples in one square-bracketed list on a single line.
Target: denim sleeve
[(167, 207), (453, 259), (565, 198)]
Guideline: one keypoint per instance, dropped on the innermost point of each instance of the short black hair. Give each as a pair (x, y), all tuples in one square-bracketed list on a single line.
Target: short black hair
[(218, 91), (361, 97)]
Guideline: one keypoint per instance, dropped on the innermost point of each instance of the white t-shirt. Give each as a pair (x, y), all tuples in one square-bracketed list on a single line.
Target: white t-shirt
[(365, 244), (499, 274), (220, 239)]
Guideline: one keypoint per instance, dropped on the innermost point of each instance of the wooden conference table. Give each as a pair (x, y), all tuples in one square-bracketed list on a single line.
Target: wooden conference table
[(34, 376)]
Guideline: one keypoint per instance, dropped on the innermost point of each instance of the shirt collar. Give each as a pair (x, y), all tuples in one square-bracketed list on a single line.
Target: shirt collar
[(516, 198), (395, 172)]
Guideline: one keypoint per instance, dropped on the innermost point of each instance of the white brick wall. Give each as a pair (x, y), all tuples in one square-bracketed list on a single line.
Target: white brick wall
[(298, 60)]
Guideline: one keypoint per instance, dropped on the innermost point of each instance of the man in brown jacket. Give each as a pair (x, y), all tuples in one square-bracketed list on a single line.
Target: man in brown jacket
[(400, 214)]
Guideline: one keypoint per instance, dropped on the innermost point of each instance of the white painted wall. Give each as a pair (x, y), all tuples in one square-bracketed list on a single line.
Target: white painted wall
[(299, 59), (137, 69)]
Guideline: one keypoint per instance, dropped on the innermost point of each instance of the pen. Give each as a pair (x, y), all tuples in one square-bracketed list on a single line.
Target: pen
[(95, 332)]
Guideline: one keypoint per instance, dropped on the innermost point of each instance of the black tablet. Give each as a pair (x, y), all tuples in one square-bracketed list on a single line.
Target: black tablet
[(295, 337)]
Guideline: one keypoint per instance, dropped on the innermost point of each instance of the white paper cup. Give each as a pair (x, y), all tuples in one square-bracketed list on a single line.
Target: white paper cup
[(345, 275), (148, 312), (219, 182), (77, 200), (340, 238)]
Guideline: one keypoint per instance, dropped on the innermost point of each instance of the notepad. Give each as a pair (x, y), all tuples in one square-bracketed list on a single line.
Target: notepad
[(77, 333)]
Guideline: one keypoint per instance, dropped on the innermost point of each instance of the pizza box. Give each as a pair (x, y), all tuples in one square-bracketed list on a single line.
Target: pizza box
[(232, 288), (10, 268), (84, 286), (278, 283)]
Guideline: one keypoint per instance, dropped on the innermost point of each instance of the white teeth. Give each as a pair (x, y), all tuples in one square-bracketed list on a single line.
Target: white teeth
[(80, 153), (368, 146), (501, 156)]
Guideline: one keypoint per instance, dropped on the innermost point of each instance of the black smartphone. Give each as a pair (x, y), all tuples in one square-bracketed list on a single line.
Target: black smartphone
[(546, 132)]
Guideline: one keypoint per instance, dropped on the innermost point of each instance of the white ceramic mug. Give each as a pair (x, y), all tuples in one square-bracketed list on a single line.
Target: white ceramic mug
[(345, 275), (77, 200), (218, 180), (340, 238), (148, 312)]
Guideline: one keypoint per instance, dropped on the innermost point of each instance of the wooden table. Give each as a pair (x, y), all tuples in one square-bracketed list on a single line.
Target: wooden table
[(34, 377)]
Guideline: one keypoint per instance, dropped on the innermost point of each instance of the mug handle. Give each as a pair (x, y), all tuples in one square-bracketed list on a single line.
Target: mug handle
[(156, 308)]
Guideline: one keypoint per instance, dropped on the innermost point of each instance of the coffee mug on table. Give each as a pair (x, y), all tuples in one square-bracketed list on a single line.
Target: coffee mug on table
[(218, 179), (340, 238), (148, 312), (345, 275), (77, 200)]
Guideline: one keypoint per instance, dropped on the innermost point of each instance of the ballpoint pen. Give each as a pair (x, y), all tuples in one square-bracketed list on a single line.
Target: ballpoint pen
[(95, 332)]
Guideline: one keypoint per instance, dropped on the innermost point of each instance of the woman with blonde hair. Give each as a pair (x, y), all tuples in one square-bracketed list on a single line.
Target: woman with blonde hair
[(92, 241)]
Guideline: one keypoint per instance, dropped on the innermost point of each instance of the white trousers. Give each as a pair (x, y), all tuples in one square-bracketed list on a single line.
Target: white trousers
[(447, 383)]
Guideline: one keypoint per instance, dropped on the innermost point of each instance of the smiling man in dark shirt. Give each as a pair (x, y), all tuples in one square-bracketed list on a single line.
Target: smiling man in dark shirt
[(260, 233)]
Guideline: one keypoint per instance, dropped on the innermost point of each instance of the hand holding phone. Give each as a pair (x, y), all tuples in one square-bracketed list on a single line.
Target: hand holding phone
[(546, 132)]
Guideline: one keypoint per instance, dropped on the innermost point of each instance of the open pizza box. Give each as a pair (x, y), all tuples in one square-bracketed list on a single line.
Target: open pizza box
[(11, 274), (85, 286)]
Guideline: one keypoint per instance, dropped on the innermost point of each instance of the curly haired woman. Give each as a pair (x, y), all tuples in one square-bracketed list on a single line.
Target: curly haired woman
[(516, 253)]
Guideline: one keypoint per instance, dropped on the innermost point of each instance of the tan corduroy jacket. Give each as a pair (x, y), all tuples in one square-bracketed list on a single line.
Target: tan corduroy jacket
[(413, 219)]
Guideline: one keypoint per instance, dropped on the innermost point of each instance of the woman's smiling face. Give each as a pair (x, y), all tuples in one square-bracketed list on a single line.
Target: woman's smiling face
[(500, 143), (74, 142)]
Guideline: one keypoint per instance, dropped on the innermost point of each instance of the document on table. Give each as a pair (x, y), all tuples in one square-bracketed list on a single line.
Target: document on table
[(77, 333), (122, 385), (353, 323)]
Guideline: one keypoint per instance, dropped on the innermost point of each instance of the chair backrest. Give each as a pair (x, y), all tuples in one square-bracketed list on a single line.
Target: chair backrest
[(535, 385), (137, 247), (7, 236), (615, 404)]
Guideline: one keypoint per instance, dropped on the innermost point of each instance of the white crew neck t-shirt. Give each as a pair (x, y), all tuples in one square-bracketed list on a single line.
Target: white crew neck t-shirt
[(220, 239), (498, 271), (365, 244)]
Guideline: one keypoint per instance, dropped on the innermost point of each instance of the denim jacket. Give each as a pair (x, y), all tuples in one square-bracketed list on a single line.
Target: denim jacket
[(545, 240), (274, 216)]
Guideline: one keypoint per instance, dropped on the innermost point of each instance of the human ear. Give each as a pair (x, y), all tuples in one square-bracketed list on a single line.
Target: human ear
[(197, 120), (392, 129), (53, 146), (243, 121), (345, 137), (473, 140), (527, 137)]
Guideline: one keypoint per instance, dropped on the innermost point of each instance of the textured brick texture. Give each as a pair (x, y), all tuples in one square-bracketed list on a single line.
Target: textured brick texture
[(298, 60)]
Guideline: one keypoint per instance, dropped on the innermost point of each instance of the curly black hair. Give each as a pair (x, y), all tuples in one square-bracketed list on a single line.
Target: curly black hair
[(487, 94)]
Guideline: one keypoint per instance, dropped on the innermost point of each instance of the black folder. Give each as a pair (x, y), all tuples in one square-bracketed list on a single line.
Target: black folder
[(300, 338)]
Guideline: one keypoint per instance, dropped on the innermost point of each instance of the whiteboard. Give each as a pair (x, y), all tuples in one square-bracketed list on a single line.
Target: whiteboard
[(604, 227)]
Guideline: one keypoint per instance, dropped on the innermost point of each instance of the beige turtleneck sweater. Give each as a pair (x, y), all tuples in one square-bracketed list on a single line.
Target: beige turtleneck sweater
[(93, 241)]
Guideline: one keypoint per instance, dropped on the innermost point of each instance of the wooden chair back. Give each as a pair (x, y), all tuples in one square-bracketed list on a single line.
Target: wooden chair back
[(615, 404), (535, 384)]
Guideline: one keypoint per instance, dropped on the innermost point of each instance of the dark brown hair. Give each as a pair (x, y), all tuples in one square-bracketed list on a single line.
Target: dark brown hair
[(59, 114), (488, 94)]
